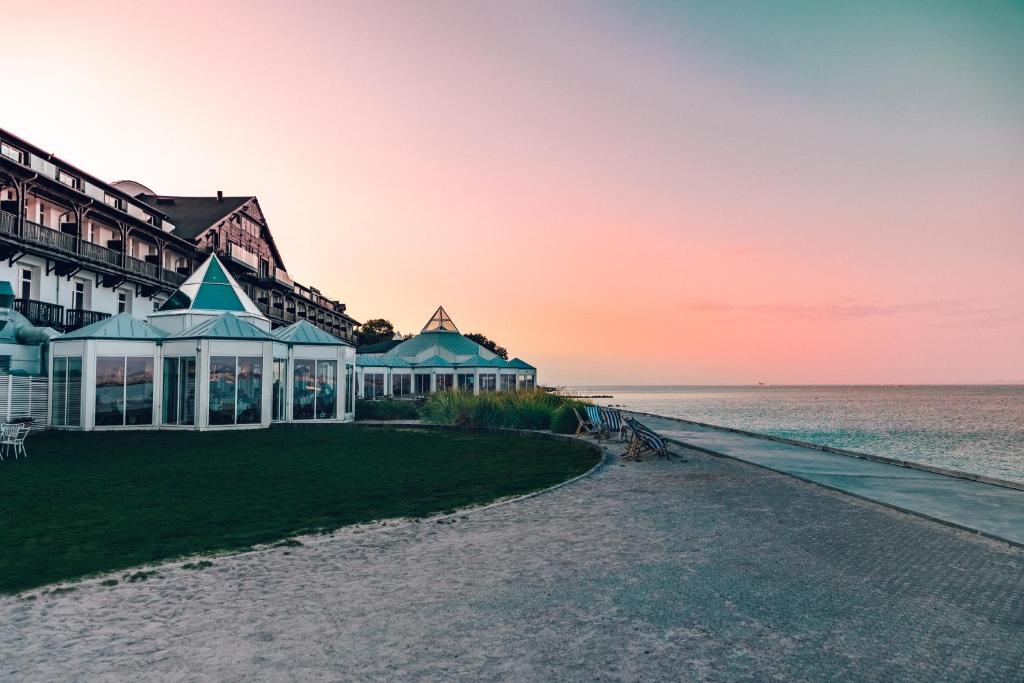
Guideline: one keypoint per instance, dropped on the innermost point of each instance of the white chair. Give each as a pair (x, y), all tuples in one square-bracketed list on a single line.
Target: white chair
[(3, 436), (14, 436)]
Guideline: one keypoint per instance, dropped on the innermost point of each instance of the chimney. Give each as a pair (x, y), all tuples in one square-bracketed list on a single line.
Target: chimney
[(220, 195)]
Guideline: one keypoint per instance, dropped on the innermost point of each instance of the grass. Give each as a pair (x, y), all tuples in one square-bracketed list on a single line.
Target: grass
[(98, 502), (535, 409)]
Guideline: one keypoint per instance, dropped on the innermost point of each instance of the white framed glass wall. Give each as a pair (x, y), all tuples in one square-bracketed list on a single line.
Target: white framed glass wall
[(236, 390), (178, 395), (401, 384), (315, 389), (488, 382), (66, 393), (124, 391), (508, 382), (444, 381), (373, 385), (466, 381), (350, 385), (280, 392), (421, 383)]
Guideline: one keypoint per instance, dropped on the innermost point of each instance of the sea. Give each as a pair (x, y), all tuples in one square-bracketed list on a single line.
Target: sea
[(970, 428)]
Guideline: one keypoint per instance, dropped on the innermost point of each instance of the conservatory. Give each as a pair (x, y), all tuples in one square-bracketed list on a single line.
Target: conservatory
[(205, 360), (440, 358)]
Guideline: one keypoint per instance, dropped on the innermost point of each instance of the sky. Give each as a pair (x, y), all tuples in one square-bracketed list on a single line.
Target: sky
[(620, 193)]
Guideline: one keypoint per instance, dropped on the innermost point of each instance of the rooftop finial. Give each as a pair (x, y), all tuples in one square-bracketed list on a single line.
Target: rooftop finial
[(440, 322)]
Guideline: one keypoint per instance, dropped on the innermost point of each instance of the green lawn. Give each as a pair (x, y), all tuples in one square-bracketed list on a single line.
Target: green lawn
[(87, 503)]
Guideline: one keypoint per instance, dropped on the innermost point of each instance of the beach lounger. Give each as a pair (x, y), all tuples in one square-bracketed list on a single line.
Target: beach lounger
[(613, 422), (596, 419), (585, 426), (645, 440)]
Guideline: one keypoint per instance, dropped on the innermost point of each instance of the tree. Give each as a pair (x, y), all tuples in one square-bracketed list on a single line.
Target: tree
[(483, 341), (373, 331)]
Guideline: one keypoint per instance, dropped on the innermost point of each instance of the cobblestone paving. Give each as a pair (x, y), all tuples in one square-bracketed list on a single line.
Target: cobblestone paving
[(701, 570)]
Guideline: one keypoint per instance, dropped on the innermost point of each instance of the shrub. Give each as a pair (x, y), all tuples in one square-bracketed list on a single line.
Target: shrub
[(386, 410), (534, 409), (563, 420)]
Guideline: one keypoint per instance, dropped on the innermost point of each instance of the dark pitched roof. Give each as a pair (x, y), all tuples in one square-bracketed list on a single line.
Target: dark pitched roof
[(191, 216), (379, 347)]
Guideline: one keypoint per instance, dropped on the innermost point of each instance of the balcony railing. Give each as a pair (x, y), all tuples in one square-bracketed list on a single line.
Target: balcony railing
[(55, 239), (71, 244), (40, 312), (80, 317), (144, 268), (8, 223), (102, 254)]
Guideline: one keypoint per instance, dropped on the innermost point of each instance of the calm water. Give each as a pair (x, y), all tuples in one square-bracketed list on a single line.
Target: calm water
[(977, 429)]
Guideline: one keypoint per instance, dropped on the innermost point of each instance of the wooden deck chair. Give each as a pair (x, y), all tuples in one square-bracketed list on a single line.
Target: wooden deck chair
[(594, 414), (613, 422), (653, 442), (584, 426), (635, 446)]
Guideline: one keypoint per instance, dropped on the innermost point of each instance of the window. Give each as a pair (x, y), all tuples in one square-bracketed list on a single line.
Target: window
[(444, 381), (422, 381), (68, 179), (467, 381), (42, 214), (111, 200), (66, 396), (373, 384), (124, 302), (508, 382), (12, 152), (236, 390), (277, 400), (401, 384), (525, 381), (326, 389), (487, 382), (124, 391), (179, 391), (91, 232), (350, 371), (26, 283), (78, 296)]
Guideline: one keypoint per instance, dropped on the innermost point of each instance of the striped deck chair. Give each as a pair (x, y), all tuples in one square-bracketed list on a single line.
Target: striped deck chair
[(585, 426), (644, 440), (596, 419), (613, 422)]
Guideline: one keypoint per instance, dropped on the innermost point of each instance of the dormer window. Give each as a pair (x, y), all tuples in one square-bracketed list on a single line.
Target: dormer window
[(69, 180), (12, 152), (111, 200)]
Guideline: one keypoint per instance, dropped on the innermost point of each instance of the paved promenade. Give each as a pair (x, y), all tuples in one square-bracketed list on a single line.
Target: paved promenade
[(709, 569), (995, 511)]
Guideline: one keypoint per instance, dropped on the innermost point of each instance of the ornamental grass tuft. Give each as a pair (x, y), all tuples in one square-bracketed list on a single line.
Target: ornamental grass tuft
[(532, 409)]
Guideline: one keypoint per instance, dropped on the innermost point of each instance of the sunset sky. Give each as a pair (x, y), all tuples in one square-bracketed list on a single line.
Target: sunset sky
[(656, 193)]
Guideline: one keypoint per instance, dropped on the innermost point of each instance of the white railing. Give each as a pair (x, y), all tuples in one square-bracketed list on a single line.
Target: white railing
[(24, 396)]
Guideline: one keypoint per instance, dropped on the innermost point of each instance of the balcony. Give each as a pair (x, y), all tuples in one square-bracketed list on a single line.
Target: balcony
[(97, 253), (75, 318), (40, 313), (144, 268), (55, 239)]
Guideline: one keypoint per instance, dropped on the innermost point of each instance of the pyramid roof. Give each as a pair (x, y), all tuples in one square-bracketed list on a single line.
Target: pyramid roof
[(303, 332), (120, 326), (440, 322), (211, 288), (225, 326)]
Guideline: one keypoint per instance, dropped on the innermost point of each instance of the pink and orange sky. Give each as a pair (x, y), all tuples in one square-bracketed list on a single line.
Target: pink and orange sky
[(672, 193)]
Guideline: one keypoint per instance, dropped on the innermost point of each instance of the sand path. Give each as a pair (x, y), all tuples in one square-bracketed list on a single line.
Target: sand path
[(707, 569)]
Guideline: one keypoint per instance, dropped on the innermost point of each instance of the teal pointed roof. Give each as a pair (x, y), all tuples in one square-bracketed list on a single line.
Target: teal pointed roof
[(224, 326), (452, 342), (520, 363), (211, 288), (120, 326), (305, 333)]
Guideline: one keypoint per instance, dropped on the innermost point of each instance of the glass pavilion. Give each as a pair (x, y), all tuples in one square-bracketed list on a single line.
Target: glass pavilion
[(207, 359)]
